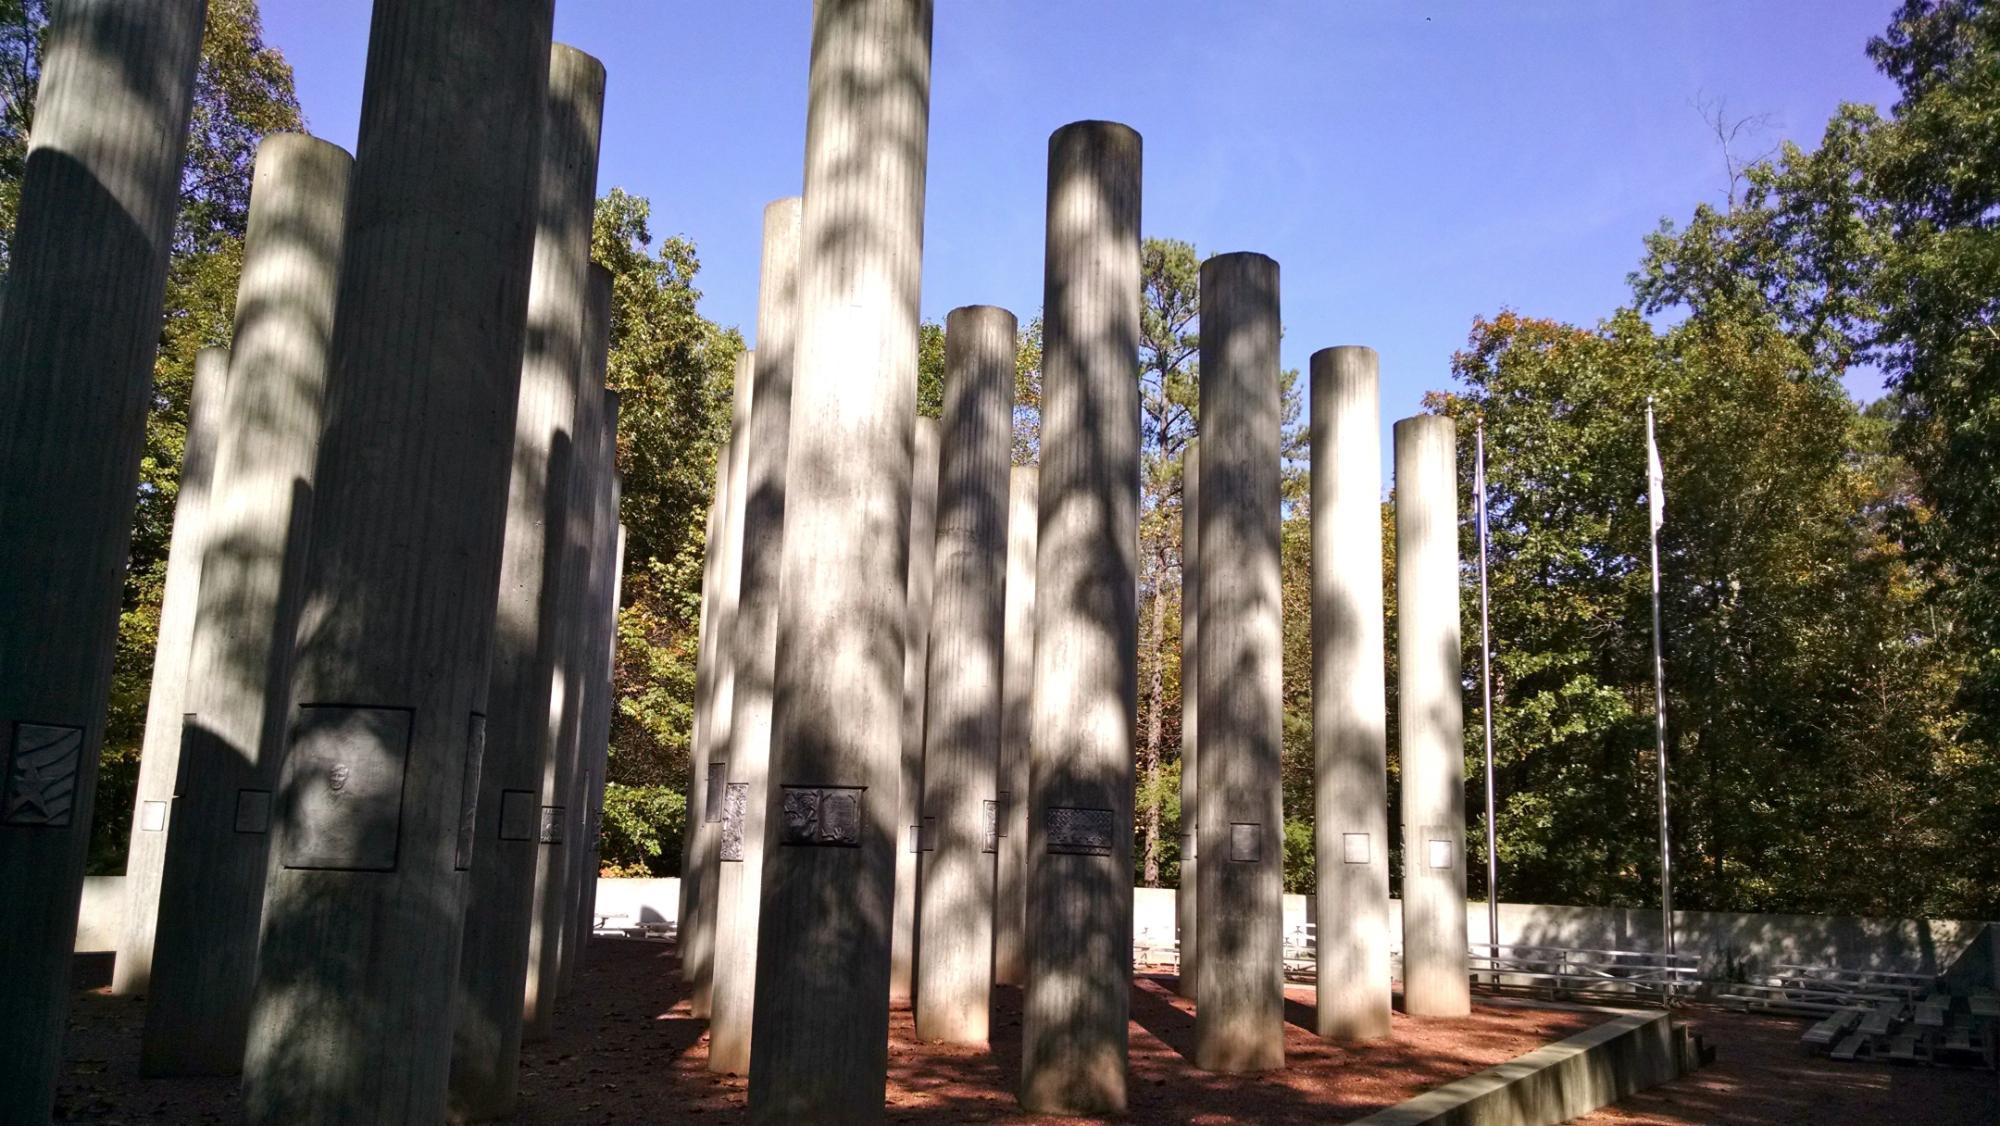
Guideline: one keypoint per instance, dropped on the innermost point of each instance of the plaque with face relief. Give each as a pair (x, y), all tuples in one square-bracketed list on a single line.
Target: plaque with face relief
[(40, 787), (344, 780), (735, 804), (552, 825), (1080, 832), (821, 815)]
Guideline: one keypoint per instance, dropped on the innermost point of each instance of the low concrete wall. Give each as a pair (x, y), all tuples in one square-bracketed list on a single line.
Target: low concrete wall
[(1553, 1083), (639, 900), (101, 916)]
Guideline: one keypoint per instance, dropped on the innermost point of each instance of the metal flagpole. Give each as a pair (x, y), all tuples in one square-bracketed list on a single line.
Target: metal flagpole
[(1486, 687), (1656, 498)]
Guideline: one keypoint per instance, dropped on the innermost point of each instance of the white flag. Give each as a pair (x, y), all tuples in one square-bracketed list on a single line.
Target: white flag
[(1656, 486)]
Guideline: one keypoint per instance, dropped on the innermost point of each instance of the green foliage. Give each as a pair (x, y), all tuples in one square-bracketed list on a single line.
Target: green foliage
[(642, 830)]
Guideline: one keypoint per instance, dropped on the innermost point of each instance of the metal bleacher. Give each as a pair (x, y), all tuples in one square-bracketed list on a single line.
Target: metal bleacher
[(1878, 1014)]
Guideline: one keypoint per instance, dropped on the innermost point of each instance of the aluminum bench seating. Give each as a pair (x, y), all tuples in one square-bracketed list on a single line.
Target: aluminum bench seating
[(1855, 1044), (1830, 1028)]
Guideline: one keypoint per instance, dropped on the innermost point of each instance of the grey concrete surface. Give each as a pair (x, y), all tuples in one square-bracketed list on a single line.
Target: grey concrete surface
[(351, 1019), (1010, 919), (1086, 631), (593, 661), (1350, 758), (78, 332), (963, 711), (819, 1048), (1428, 714), (704, 772), (1187, 893), (916, 667)]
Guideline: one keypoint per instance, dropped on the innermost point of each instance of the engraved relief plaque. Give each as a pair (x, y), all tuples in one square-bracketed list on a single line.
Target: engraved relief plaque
[(1080, 832), (468, 790), (1246, 842), (735, 803), (717, 775), (1354, 848), (552, 825), (990, 810), (1437, 853), (822, 815), (1004, 812), (518, 812), (344, 780), (152, 816), (41, 775), (253, 811)]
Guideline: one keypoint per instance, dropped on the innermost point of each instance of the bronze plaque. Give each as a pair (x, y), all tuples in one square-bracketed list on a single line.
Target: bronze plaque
[(344, 780)]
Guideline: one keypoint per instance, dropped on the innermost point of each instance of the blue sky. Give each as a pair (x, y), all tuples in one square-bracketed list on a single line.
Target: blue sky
[(1409, 164)]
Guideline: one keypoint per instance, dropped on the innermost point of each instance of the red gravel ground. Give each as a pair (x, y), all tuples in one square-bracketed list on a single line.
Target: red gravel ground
[(625, 1050)]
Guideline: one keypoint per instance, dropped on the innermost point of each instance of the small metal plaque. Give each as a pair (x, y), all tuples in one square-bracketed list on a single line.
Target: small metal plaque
[(468, 790), (735, 804), (41, 775), (1003, 813), (1438, 854), (1080, 832), (152, 816), (1354, 848), (717, 776), (518, 812), (253, 811), (916, 839), (822, 815), (990, 810), (552, 825), (1246, 842), (344, 782)]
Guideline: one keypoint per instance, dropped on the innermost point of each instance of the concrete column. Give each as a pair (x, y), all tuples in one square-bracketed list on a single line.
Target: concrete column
[(556, 830), (486, 1047), (1010, 922), (239, 687), (352, 1016), (160, 753), (820, 1044), (78, 333), (698, 932), (963, 710), (704, 774), (916, 667), (733, 1002), (1239, 1020), (1427, 712), (1350, 766), (595, 665), (1086, 686), (587, 899), (1187, 893)]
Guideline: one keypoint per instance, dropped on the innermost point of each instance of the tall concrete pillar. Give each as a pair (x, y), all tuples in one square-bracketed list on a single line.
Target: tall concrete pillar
[(916, 668), (964, 702), (556, 829), (352, 1016), (698, 932), (78, 332), (1350, 765), (820, 1044), (594, 729), (733, 1001), (592, 862), (486, 1045), (1010, 911), (1427, 712), (705, 775), (1187, 892), (1239, 1020), (160, 754), (239, 686), (1086, 631)]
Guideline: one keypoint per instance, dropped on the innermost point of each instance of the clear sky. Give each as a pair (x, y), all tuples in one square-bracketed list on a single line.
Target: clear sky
[(1409, 164)]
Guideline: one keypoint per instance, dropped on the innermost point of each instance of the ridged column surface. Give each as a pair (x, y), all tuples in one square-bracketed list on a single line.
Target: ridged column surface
[(1187, 894), (704, 773), (1428, 704), (559, 784), (78, 333), (1086, 631), (916, 667), (963, 713), (239, 683), (1239, 1022), (160, 753), (1010, 916), (486, 1041), (606, 561), (733, 1001), (1350, 764), (820, 1046), (697, 933), (352, 1015)]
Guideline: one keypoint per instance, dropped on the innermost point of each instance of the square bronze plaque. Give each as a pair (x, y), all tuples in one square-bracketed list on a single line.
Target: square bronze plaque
[(1437, 854), (1246, 842), (822, 815), (735, 804), (253, 811), (1080, 832), (40, 785), (344, 780), (1354, 848), (518, 812), (552, 825)]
